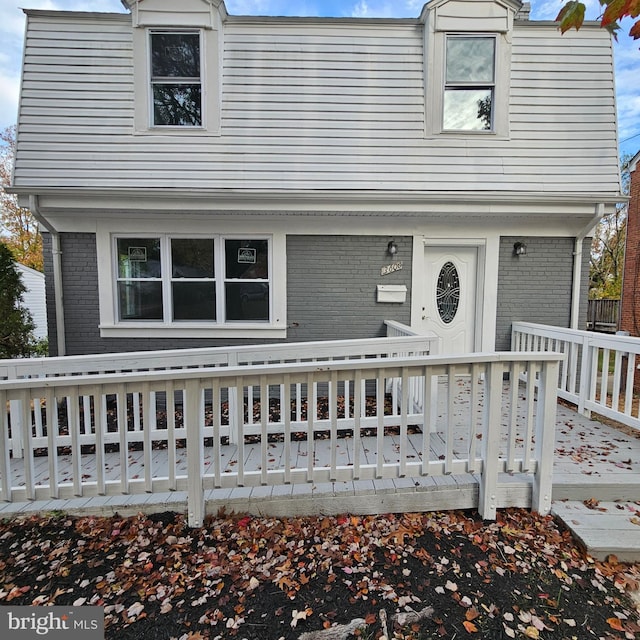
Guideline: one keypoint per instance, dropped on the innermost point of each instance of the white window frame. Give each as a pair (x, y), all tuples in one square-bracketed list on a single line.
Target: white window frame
[(435, 84), (112, 326), (469, 84), (210, 82), (153, 82)]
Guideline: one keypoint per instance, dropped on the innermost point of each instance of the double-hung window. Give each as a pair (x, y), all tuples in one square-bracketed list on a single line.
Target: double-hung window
[(176, 79), (469, 88), (210, 281)]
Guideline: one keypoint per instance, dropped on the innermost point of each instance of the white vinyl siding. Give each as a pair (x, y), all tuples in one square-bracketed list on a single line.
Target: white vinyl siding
[(316, 105), (34, 298)]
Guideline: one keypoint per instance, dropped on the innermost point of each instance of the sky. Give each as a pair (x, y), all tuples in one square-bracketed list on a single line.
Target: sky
[(627, 51)]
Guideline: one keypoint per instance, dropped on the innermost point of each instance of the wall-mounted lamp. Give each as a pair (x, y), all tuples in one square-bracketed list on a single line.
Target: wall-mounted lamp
[(519, 249), (392, 248)]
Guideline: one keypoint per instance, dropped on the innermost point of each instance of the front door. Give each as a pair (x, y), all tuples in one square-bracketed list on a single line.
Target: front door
[(449, 296)]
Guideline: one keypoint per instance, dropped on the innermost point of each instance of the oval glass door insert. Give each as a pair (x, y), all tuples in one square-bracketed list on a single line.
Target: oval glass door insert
[(448, 292)]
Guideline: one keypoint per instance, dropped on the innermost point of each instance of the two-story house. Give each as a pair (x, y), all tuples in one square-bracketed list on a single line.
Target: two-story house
[(211, 179)]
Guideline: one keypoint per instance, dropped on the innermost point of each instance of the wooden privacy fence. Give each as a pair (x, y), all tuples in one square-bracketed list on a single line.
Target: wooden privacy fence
[(301, 422), (599, 372), (603, 315)]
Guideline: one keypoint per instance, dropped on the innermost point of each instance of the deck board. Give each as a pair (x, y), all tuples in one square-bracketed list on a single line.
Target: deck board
[(604, 528)]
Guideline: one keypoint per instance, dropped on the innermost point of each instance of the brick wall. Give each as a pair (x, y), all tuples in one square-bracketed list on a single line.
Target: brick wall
[(630, 311), (537, 287), (331, 293), (332, 286)]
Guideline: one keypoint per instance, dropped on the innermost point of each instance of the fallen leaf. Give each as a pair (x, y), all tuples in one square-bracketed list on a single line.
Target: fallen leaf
[(135, 610), (254, 583), (300, 615), (615, 623)]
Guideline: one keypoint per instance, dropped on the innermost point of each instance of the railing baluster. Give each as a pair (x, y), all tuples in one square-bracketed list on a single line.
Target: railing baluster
[(380, 388), (100, 429), (404, 407), (357, 427), (5, 459), (123, 433), (195, 453), (428, 423), (491, 442), (264, 434), (216, 418), (51, 413), (333, 421), (628, 394), (73, 419), (239, 412), (312, 408), (285, 412), (170, 405), (147, 449), (617, 379), (27, 439), (476, 377), (512, 424), (450, 425), (532, 377)]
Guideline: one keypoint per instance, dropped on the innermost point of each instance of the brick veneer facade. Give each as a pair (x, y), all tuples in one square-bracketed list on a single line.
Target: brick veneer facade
[(630, 312)]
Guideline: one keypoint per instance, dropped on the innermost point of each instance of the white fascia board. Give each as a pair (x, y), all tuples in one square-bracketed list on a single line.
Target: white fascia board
[(295, 200)]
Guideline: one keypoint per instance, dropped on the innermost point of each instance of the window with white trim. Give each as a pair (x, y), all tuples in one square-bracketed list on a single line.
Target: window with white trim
[(176, 280), (469, 83), (176, 79)]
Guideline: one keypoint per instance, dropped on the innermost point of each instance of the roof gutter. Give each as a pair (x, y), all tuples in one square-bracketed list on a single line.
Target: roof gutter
[(57, 273), (577, 264)]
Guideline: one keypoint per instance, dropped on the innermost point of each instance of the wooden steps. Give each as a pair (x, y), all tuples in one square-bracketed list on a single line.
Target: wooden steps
[(606, 487), (603, 528)]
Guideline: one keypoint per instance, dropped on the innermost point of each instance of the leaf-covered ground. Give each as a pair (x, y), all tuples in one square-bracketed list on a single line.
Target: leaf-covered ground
[(266, 578)]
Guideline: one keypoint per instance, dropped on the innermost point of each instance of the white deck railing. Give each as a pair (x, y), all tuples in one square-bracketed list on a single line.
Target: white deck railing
[(81, 433), (145, 361), (599, 372)]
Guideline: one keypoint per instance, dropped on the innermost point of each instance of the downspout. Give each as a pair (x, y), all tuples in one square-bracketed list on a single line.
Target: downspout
[(57, 273), (577, 265)]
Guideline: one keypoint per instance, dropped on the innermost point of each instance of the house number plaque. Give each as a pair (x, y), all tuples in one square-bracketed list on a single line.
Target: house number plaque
[(391, 268)]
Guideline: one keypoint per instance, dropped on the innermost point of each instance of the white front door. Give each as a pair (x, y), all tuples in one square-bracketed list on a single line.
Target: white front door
[(449, 296)]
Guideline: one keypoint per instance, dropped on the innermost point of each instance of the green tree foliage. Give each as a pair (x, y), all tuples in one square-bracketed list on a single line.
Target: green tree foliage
[(607, 249), (572, 15), (16, 324)]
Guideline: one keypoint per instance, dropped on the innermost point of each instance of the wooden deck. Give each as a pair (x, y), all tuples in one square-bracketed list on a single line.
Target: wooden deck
[(596, 489)]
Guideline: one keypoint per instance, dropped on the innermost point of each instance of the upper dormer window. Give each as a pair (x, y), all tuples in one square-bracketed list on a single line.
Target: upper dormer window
[(176, 80), (469, 83)]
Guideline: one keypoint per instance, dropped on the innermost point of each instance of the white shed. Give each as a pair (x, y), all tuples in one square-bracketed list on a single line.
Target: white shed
[(34, 298)]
